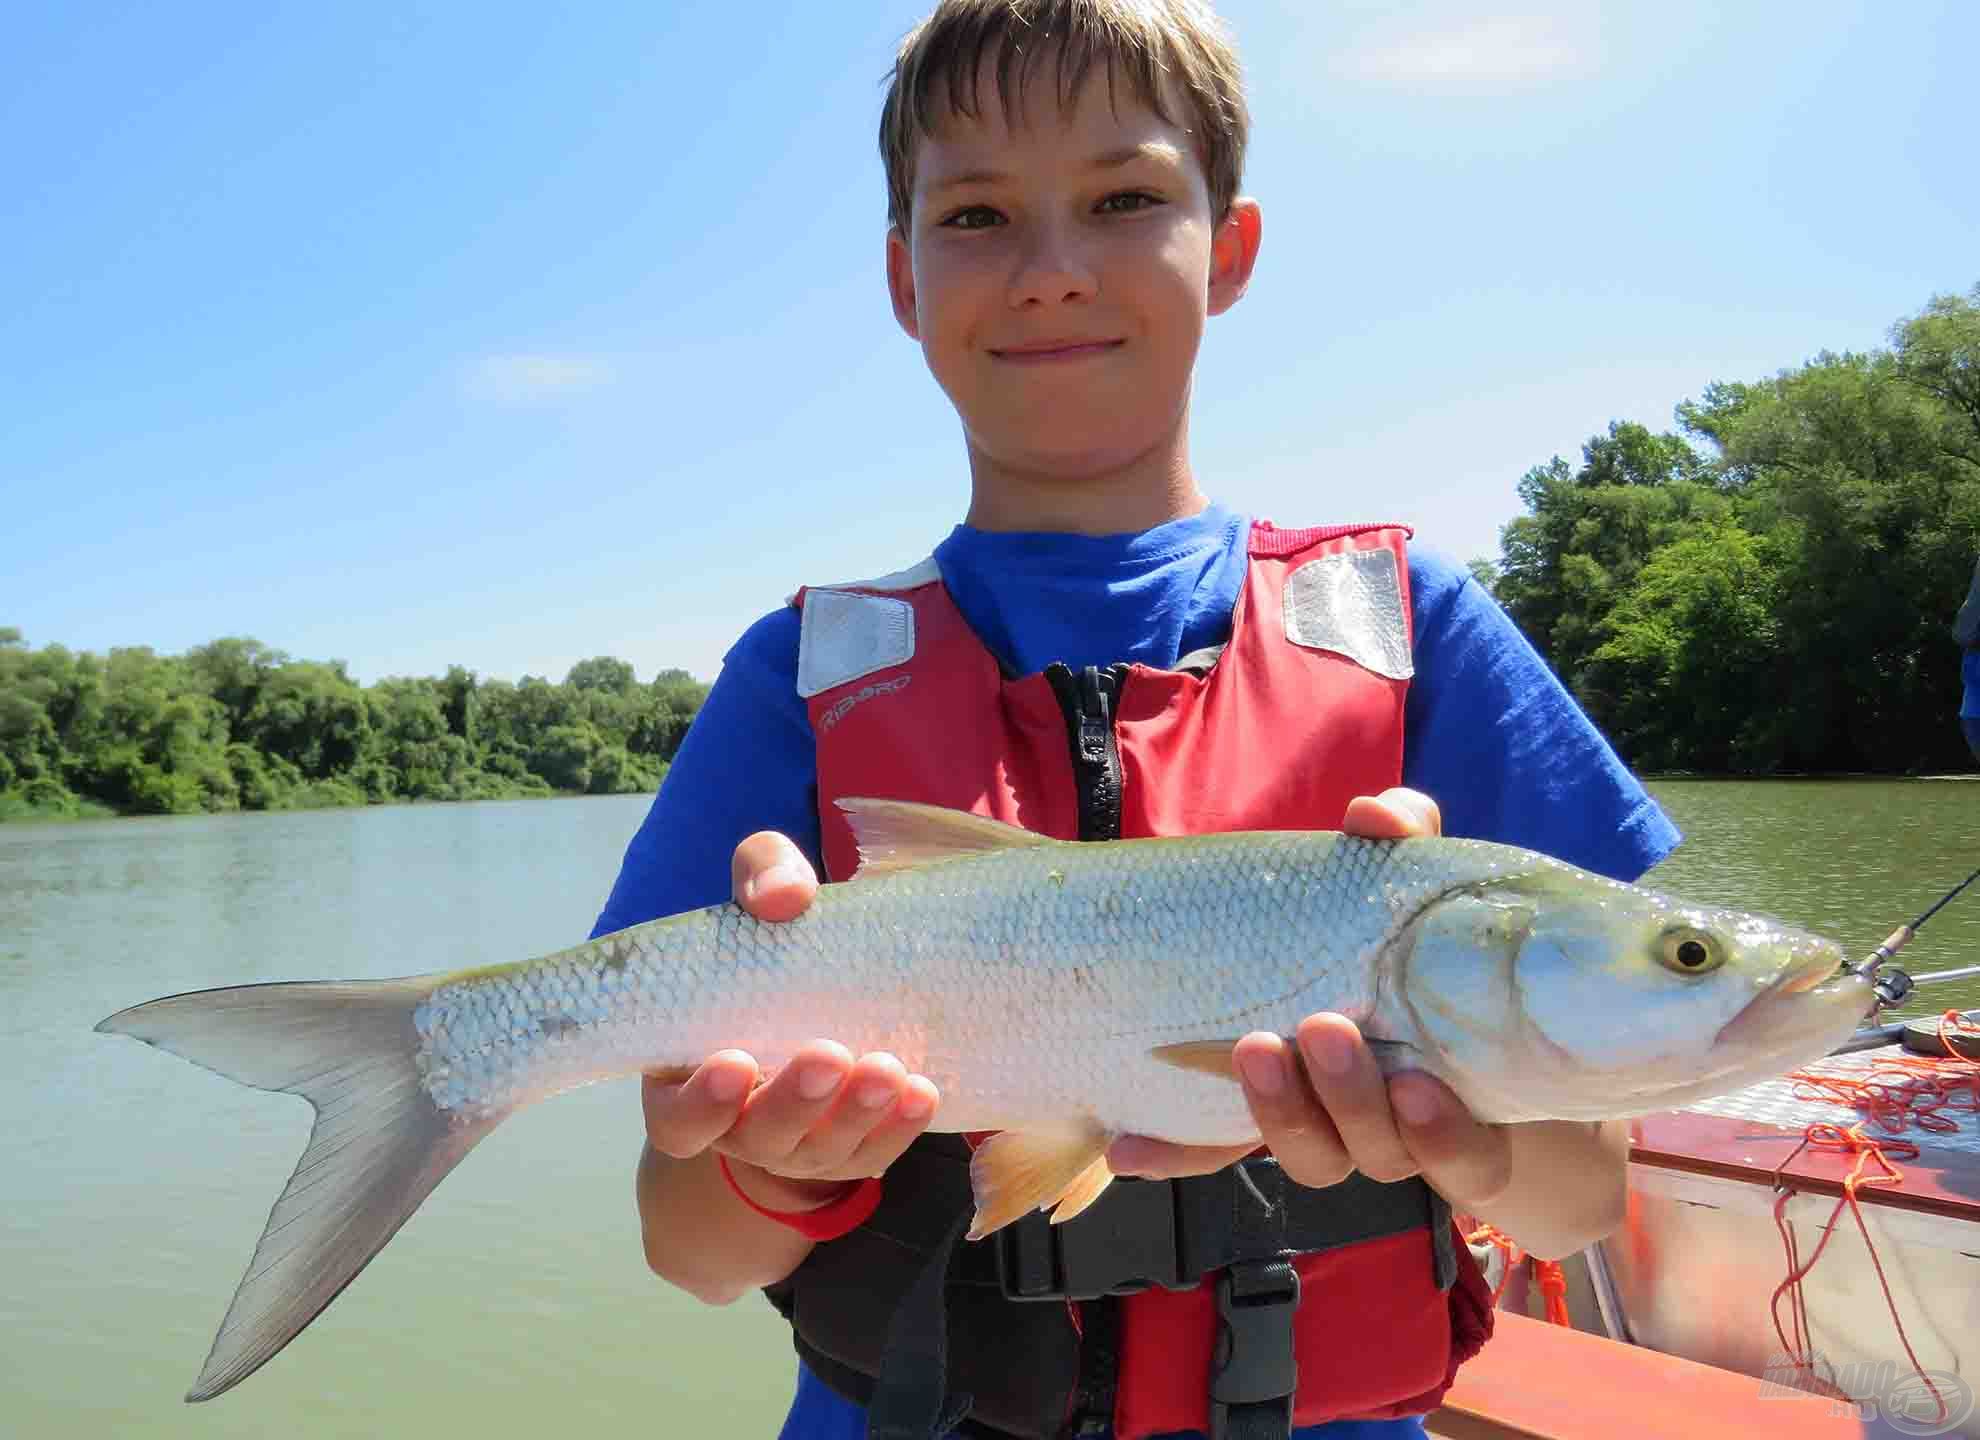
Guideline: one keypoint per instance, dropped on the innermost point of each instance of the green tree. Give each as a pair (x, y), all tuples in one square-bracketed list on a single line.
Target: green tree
[(1589, 531), (233, 671), (1842, 464), (661, 723), (564, 756), (601, 673), (408, 740), (162, 747), (1770, 589), (1689, 647), (236, 723), (458, 702), (1938, 353), (311, 715)]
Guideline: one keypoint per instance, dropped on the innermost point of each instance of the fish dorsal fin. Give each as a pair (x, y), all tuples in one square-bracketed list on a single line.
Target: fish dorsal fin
[(900, 834)]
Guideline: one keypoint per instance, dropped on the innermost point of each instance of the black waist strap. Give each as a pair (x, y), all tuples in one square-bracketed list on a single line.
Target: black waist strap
[(1172, 1233), (1243, 1223)]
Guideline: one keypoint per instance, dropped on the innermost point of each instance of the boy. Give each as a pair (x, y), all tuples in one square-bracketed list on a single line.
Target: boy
[(1100, 651)]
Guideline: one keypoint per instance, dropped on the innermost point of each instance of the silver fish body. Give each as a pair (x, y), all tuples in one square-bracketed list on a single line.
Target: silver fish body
[(1060, 994), (1021, 984)]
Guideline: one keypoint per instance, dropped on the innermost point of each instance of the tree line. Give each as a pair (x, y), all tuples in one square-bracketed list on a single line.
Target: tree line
[(1769, 588), (235, 725)]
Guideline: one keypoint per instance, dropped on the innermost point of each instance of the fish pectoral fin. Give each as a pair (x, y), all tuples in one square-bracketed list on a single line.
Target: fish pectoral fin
[(1206, 1057), (1019, 1171), (1214, 1057), (900, 834)]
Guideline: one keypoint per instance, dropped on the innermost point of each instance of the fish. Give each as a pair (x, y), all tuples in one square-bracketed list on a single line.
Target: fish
[(1058, 994)]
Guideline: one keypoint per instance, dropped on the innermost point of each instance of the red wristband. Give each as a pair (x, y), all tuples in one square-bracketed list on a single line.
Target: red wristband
[(828, 1222)]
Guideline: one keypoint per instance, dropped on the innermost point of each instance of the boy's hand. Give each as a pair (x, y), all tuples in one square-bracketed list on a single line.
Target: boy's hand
[(1327, 1111), (826, 1119)]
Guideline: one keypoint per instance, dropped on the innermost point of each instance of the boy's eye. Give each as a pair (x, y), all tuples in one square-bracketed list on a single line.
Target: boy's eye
[(973, 217), (1127, 201)]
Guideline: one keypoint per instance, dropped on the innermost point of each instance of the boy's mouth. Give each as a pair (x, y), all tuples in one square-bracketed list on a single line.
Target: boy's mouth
[(1040, 352)]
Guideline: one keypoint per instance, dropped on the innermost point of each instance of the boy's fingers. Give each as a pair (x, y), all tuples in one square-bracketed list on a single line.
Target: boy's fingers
[(1300, 1132), (1153, 1159), (779, 1114), (872, 1089), (683, 1119), (886, 1142), (1348, 1084), (1396, 814), (1467, 1161), (771, 877)]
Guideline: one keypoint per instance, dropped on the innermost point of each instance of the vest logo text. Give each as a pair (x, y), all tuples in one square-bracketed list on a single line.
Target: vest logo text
[(838, 712)]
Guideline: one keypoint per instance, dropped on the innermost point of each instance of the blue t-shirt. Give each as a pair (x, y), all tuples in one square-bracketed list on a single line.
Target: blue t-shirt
[(1969, 676), (1488, 732)]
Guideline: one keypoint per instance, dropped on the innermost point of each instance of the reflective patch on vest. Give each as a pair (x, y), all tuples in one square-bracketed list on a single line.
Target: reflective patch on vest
[(843, 637), (1352, 604)]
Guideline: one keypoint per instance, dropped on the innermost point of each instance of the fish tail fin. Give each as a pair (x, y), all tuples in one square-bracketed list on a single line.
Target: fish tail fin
[(376, 1150)]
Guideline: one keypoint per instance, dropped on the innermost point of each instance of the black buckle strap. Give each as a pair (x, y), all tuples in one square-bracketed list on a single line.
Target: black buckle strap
[(1122, 1246), (1253, 1372)]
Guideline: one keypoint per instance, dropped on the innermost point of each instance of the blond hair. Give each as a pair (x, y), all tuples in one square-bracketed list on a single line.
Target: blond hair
[(1168, 51)]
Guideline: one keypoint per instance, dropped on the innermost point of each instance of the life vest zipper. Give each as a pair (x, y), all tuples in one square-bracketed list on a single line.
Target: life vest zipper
[(1089, 700)]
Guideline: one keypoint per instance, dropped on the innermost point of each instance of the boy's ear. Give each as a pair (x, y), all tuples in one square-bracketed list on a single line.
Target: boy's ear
[(900, 282), (1233, 253)]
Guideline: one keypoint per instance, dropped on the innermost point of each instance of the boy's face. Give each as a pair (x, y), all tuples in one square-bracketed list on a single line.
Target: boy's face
[(1057, 269)]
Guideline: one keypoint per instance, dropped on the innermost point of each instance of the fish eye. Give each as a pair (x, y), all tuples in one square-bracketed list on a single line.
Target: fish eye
[(1690, 952)]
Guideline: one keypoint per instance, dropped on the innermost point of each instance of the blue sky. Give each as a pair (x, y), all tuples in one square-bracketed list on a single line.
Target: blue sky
[(507, 334)]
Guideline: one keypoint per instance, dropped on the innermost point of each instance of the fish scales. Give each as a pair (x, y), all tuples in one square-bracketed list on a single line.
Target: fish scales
[(1012, 981)]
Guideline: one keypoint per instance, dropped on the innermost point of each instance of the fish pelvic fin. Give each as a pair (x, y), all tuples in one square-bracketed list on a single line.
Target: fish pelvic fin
[(1018, 1171), (900, 834), (376, 1150)]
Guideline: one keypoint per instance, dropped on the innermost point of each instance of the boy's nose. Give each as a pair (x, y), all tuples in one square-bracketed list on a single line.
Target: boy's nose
[(1051, 270)]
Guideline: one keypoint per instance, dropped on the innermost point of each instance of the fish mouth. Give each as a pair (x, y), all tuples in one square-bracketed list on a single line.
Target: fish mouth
[(1801, 1003), (1807, 973)]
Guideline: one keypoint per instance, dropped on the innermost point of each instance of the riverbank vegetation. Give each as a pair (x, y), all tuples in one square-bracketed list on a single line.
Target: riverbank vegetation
[(1770, 587), (235, 725)]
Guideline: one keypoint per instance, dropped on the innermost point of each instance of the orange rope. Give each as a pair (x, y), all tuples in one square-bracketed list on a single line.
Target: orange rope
[(1547, 1273), (1553, 1285), (1896, 1092), (1904, 1090)]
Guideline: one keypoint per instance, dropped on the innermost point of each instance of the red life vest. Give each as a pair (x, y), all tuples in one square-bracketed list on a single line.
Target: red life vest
[(1302, 711)]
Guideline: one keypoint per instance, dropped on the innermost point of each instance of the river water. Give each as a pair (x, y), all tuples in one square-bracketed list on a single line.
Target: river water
[(515, 1303)]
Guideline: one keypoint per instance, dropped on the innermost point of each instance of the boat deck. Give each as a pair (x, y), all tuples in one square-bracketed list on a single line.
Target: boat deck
[(1692, 1277), (1752, 1133), (1781, 1103)]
